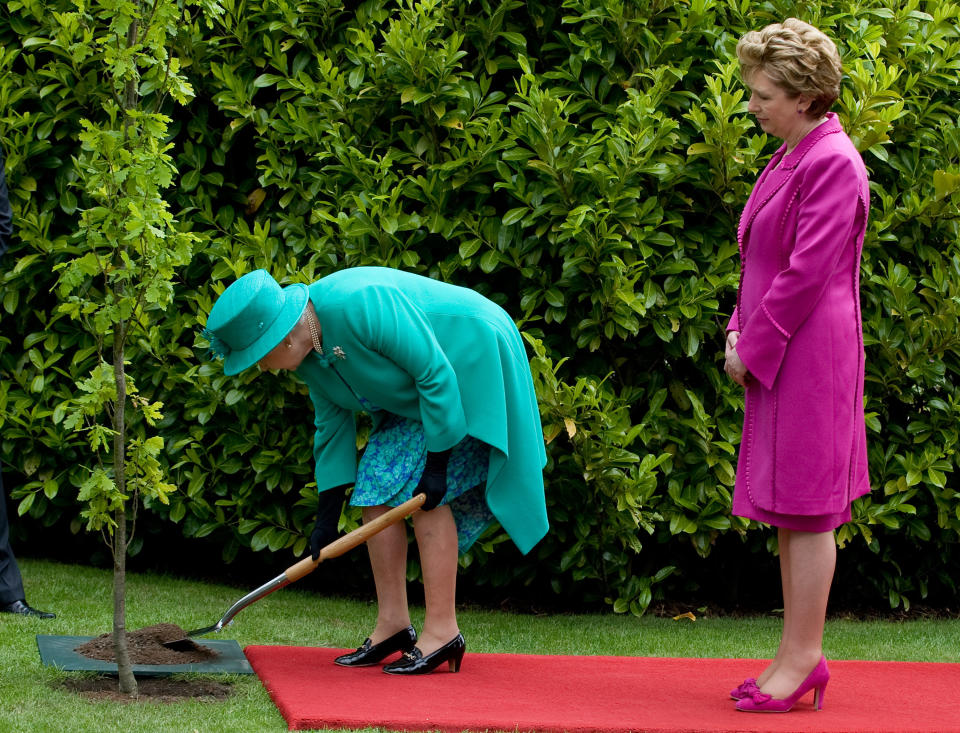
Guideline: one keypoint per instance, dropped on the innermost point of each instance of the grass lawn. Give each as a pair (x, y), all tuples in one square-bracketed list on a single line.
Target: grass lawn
[(32, 700)]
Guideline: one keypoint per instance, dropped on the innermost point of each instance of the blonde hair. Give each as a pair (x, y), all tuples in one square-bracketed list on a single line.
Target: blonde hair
[(798, 58)]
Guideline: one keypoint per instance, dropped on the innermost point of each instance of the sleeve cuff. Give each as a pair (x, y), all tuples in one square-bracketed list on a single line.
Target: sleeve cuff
[(761, 347), (734, 323)]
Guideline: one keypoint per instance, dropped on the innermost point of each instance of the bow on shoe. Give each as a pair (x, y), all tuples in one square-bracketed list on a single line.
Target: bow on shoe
[(749, 687), (753, 692), (741, 690)]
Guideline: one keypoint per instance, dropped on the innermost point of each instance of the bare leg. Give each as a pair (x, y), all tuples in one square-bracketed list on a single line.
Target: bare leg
[(388, 559), (784, 546), (436, 533), (808, 560)]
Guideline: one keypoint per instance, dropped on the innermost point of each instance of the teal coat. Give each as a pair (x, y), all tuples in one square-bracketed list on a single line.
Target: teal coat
[(433, 352)]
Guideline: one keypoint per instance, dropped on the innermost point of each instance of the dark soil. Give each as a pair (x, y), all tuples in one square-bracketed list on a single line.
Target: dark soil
[(151, 690), (146, 647)]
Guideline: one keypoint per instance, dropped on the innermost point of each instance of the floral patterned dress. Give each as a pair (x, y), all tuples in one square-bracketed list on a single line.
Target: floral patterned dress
[(393, 462)]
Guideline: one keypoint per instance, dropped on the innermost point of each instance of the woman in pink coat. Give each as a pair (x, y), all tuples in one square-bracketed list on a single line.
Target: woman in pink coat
[(795, 342)]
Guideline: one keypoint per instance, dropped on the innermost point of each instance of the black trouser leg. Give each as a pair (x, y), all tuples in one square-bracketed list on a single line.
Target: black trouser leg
[(11, 584)]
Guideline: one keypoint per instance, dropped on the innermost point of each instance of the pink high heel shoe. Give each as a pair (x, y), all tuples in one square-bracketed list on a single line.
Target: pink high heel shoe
[(745, 688), (760, 702)]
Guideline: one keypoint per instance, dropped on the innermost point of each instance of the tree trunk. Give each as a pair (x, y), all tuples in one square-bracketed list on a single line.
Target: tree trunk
[(128, 683)]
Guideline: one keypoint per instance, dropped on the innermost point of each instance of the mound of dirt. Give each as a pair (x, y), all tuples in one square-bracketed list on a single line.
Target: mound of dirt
[(146, 647), (151, 690)]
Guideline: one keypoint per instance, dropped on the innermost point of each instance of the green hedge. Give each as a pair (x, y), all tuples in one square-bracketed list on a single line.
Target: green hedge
[(582, 163)]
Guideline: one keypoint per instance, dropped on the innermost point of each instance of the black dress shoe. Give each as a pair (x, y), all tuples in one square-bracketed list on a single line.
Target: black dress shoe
[(368, 653), (23, 609), (413, 662)]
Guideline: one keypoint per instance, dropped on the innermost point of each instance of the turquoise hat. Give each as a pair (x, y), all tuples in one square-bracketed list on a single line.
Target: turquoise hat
[(252, 316)]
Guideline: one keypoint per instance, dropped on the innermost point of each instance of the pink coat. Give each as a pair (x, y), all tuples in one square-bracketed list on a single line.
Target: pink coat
[(798, 312)]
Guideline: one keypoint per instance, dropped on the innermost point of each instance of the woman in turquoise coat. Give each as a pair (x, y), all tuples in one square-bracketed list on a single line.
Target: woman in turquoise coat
[(444, 375)]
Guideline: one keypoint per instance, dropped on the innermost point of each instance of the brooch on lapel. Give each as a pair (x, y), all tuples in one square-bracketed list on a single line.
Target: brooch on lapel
[(326, 360)]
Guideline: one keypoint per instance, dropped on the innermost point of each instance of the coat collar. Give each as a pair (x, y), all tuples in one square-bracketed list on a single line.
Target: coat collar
[(789, 162), (779, 170)]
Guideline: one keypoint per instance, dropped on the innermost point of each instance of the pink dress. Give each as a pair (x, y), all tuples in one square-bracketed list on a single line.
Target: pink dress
[(803, 456)]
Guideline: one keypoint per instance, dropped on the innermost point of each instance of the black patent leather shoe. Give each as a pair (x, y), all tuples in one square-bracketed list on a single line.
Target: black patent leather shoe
[(368, 654), (413, 661), (21, 608)]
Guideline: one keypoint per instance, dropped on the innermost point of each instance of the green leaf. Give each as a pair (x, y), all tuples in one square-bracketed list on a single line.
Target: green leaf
[(702, 149), (469, 248), (945, 183), (515, 39), (555, 297), (267, 80), (50, 488), (515, 215), (489, 261), (25, 504), (190, 180), (10, 300), (247, 526), (68, 202)]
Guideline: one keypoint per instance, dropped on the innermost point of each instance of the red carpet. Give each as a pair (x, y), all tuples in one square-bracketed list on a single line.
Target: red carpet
[(564, 693)]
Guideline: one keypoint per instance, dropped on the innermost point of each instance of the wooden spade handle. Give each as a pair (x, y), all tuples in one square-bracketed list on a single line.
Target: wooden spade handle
[(357, 537)]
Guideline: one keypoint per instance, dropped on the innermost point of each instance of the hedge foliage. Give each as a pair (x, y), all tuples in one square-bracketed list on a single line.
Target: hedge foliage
[(583, 163)]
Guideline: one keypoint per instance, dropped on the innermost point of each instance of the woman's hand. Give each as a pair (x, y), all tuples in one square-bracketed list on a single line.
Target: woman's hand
[(433, 482), (329, 507), (732, 364)]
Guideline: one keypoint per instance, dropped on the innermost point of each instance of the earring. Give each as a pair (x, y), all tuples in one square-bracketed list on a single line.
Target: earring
[(289, 345)]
